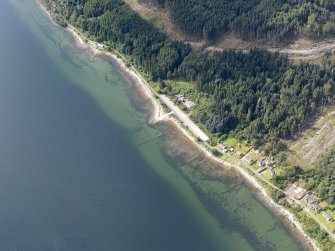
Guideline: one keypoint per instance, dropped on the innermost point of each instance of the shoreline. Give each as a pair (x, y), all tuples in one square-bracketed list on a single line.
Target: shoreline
[(157, 111), (157, 115), (260, 191)]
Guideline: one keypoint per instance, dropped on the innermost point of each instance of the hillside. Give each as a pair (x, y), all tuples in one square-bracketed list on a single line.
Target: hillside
[(299, 47), (272, 20), (258, 97), (314, 142)]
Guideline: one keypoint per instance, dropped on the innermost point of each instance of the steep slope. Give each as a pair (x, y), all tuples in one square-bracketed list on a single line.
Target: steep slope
[(301, 43), (271, 19), (257, 97)]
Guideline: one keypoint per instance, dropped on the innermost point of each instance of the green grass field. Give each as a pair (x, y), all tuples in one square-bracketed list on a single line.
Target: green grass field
[(330, 225), (266, 175)]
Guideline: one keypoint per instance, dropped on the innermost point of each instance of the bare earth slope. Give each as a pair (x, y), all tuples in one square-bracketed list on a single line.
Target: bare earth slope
[(302, 49), (314, 142)]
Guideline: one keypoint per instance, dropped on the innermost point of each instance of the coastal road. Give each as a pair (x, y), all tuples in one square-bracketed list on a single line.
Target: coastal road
[(199, 133), (324, 226), (239, 161), (184, 118), (306, 209)]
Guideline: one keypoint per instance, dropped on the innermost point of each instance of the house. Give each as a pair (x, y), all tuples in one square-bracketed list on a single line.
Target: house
[(239, 154), (180, 98), (187, 103), (309, 198), (272, 172), (223, 146), (298, 190), (316, 206), (100, 46), (327, 217), (261, 163), (295, 191), (249, 159), (308, 194)]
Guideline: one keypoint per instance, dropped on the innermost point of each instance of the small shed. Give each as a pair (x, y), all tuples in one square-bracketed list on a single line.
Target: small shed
[(239, 154), (272, 172), (223, 146), (100, 46), (309, 198), (249, 159), (261, 163), (316, 206)]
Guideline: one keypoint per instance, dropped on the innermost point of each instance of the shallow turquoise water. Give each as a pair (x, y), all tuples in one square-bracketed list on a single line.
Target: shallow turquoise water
[(80, 168)]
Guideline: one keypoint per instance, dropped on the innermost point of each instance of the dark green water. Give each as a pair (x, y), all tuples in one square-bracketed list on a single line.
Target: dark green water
[(80, 169)]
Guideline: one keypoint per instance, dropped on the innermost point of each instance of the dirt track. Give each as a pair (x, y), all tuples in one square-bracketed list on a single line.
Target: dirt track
[(295, 51), (317, 50)]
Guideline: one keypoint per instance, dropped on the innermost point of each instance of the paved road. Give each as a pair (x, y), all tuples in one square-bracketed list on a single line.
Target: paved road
[(306, 209), (184, 118), (239, 161), (197, 131), (332, 235)]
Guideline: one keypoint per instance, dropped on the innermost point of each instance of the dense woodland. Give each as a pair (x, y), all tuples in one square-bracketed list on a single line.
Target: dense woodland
[(322, 178), (257, 96), (271, 19)]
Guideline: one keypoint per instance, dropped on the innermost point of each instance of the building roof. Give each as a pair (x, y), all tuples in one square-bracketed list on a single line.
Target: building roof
[(272, 172), (298, 190), (316, 206), (223, 145), (309, 200), (327, 216), (261, 163), (249, 159)]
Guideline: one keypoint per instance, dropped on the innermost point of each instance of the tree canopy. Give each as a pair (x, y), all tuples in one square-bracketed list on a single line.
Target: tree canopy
[(274, 20), (257, 96)]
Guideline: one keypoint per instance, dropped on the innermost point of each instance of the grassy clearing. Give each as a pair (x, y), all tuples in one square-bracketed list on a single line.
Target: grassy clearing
[(266, 175), (254, 155), (159, 17), (188, 89), (231, 142), (255, 166), (242, 147), (330, 225)]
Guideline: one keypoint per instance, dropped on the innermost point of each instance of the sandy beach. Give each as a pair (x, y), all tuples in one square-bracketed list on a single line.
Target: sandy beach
[(157, 116)]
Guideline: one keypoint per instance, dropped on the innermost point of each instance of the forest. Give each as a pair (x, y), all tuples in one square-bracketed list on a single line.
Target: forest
[(274, 20), (322, 178), (257, 96)]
